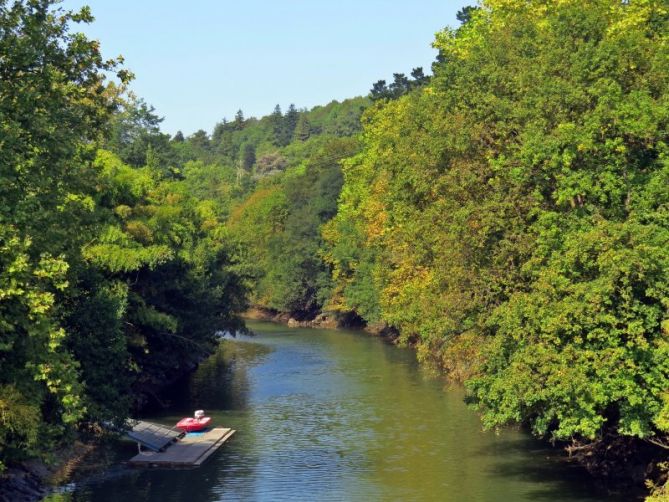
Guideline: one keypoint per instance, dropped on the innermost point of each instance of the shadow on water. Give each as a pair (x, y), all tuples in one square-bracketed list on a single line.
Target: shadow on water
[(550, 470), (221, 381), (337, 415), (121, 483)]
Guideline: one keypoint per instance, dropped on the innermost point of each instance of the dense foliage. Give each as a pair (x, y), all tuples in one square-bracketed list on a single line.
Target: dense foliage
[(113, 279), (117, 262), (277, 180), (278, 228), (508, 215), (511, 216)]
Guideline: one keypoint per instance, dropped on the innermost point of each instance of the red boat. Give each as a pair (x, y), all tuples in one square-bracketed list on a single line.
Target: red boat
[(194, 424)]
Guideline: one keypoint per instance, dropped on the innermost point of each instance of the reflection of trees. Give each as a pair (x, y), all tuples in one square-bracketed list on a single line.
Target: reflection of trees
[(151, 486), (340, 413), (419, 441), (221, 382)]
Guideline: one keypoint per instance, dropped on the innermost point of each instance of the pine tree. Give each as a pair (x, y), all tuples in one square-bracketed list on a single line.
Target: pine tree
[(464, 15), (219, 129), (290, 123), (239, 120), (248, 156), (276, 120), (303, 129), (419, 78), (226, 144), (400, 85)]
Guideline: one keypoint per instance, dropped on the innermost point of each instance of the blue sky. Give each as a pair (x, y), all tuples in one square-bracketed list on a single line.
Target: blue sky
[(200, 61)]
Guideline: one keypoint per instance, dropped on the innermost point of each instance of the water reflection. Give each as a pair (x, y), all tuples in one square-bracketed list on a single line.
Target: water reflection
[(333, 415)]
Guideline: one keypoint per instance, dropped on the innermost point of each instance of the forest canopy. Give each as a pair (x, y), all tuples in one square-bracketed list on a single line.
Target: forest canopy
[(114, 278), (507, 215), (510, 216)]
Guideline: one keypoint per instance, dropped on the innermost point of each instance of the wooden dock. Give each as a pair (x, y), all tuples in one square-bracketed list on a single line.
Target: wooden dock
[(188, 451)]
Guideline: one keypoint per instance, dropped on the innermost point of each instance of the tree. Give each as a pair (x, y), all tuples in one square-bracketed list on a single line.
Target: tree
[(279, 227), (290, 123), (465, 14), (248, 156), (400, 85), (219, 129), (53, 108), (510, 219), (222, 140), (419, 78), (200, 140), (113, 278), (239, 120), (277, 125), (135, 129), (169, 270), (303, 128), (380, 90), (271, 162)]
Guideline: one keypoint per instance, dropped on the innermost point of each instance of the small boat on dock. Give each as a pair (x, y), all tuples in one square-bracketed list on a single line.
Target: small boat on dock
[(165, 447), (196, 423)]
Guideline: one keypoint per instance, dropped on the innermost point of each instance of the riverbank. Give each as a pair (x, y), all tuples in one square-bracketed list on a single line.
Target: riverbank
[(252, 376), (620, 462), (339, 416), (321, 320), (34, 479), (24, 483)]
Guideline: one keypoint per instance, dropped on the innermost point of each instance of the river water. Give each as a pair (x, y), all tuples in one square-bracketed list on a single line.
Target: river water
[(337, 415)]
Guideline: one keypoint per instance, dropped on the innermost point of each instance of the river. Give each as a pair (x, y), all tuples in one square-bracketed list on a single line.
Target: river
[(337, 415)]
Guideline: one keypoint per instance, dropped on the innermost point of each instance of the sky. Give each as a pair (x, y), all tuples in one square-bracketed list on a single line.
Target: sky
[(200, 61)]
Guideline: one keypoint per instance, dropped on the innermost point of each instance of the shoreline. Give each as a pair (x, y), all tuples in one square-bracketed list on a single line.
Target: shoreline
[(630, 468), (322, 320), (35, 479)]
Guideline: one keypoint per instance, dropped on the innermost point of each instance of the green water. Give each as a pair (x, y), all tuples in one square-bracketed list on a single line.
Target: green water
[(336, 415)]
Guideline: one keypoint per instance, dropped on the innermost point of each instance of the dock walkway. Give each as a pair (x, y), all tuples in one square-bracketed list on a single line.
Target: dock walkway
[(190, 450)]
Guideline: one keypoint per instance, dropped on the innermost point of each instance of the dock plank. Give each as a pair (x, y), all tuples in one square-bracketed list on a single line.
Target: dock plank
[(214, 447), (190, 451)]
